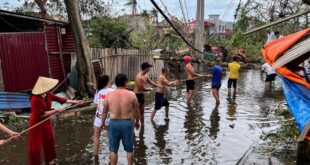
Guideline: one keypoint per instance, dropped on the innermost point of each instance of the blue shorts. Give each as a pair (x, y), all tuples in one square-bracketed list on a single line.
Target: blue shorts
[(121, 129)]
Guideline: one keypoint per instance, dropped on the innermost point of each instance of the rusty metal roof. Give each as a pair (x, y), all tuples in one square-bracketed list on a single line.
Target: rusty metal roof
[(19, 15)]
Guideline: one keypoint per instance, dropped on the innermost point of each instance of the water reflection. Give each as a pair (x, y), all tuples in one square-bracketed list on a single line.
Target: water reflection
[(231, 106), (140, 148), (160, 133), (214, 119)]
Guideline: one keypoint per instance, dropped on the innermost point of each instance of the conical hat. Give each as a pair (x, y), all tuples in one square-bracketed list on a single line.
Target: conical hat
[(43, 85)]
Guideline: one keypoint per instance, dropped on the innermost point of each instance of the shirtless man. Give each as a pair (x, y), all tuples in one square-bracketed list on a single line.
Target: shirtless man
[(190, 72), (123, 107), (141, 80), (160, 99)]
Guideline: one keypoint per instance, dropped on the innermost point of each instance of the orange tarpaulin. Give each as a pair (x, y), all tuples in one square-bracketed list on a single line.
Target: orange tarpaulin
[(274, 49)]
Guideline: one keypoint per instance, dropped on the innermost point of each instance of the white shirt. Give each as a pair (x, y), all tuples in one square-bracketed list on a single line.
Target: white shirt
[(268, 69), (99, 100)]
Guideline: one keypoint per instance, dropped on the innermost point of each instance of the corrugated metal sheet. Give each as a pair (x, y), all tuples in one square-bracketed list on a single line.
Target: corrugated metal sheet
[(10, 101), (56, 70), (67, 39), (59, 66), (51, 38), (23, 58), (67, 62)]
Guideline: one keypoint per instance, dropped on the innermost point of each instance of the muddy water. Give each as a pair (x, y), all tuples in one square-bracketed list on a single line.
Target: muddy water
[(200, 134)]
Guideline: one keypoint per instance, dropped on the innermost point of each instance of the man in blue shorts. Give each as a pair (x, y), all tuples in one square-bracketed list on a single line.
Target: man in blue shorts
[(216, 80), (123, 107)]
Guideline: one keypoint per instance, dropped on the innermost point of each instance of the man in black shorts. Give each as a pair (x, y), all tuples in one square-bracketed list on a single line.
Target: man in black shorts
[(160, 99), (190, 74), (140, 81)]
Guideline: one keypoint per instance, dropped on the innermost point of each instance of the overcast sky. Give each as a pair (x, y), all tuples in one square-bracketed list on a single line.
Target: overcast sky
[(211, 7)]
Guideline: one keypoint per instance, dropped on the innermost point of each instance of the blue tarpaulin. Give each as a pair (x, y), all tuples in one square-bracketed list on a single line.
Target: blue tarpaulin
[(298, 99), (11, 101)]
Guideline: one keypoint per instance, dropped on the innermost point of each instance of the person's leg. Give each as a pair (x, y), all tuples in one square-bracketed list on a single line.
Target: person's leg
[(167, 111), (130, 158), (235, 86), (229, 86), (35, 146), (153, 114), (166, 104), (127, 139), (96, 138), (215, 95), (141, 108), (49, 145), (113, 158), (114, 140), (189, 96), (158, 103)]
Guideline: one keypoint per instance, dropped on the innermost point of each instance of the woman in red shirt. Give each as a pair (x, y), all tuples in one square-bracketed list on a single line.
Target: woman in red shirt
[(42, 136)]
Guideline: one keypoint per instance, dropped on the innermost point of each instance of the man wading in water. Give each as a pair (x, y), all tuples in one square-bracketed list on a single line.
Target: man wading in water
[(123, 107), (160, 99), (190, 83), (141, 80)]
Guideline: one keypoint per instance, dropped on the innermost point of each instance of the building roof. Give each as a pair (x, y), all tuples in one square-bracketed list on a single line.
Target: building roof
[(19, 15), (207, 23)]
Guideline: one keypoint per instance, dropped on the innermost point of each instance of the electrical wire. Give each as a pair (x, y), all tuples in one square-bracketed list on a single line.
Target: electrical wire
[(228, 8), (178, 32)]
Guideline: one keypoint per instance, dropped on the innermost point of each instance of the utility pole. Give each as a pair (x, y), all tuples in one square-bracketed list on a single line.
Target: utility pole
[(200, 30)]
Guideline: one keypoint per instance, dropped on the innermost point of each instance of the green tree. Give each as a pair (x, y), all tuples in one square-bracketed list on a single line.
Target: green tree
[(107, 32)]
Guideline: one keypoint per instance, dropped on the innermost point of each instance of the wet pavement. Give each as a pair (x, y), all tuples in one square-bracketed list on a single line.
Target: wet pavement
[(200, 134)]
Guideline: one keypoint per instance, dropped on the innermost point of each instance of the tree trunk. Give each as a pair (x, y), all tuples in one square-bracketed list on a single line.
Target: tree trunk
[(41, 4), (84, 65)]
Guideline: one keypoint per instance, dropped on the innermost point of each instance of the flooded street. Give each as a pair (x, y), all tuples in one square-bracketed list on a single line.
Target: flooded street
[(200, 134)]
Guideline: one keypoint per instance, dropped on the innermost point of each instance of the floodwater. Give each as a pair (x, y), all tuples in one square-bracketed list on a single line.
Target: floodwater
[(199, 134)]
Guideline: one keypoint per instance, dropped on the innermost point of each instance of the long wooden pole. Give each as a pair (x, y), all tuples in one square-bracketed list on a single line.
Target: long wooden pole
[(277, 22), (34, 126)]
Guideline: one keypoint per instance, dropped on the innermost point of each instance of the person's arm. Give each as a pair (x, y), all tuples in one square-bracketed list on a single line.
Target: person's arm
[(8, 131), (169, 83), (65, 100), (153, 83), (192, 71), (105, 112)]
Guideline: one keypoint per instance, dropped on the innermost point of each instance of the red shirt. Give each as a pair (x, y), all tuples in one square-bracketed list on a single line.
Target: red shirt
[(39, 105)]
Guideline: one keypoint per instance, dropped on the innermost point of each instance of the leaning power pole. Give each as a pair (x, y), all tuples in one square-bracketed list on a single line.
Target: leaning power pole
[(200, 30)]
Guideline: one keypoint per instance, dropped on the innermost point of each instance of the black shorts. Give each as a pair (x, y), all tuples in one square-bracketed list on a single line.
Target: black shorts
[(271, 77), (140, 97), (190, 85), (216, 86), (232, 82), (160, 101)]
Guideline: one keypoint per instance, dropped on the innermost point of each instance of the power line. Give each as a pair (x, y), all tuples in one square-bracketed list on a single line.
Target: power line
[(182, 9), (186, 10), (228, 8), (177, 31)]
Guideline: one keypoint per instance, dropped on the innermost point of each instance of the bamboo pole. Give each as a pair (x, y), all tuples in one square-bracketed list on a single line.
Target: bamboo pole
[(34, 126)]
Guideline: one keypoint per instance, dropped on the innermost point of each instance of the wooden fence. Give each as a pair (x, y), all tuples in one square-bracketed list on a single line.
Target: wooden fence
[(126, 61)]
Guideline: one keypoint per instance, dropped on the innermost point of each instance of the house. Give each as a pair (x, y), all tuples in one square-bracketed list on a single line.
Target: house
[(208, 25), (213, 25), (31, 47)]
